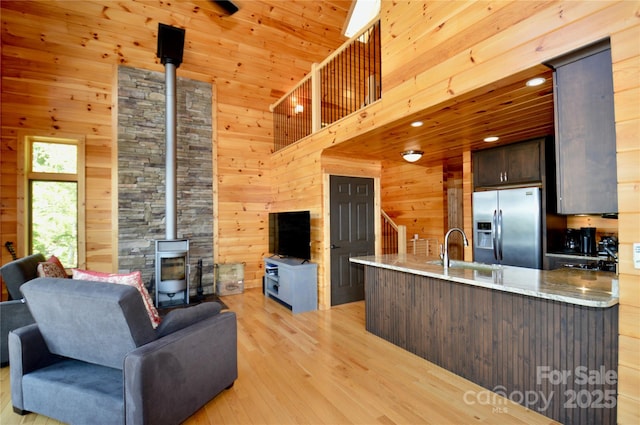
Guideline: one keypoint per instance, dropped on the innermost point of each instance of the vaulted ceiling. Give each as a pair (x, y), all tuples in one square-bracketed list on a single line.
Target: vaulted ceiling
[(263, 49), (256, 55)]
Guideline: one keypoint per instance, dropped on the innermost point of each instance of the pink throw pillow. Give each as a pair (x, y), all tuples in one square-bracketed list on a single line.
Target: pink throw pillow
[(49, 269), (132, 279), (55, 260)]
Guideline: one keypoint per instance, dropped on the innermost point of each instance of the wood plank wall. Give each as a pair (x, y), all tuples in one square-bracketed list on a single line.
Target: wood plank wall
[(59, 63), (626, 86), (469, 46), (413, 196)]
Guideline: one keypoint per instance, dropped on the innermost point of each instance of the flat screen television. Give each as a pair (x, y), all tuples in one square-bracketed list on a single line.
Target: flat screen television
[(290, 234)]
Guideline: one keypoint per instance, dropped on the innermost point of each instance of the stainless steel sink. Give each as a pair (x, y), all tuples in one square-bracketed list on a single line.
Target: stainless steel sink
[(471, 265)]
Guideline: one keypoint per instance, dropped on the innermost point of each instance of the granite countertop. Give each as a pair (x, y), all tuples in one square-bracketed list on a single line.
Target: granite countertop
[(577, 255), (575, 286)]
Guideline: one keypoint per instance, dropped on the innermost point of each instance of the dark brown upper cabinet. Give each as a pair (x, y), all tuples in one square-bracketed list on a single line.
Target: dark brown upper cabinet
[(515, 164), (585, 132)]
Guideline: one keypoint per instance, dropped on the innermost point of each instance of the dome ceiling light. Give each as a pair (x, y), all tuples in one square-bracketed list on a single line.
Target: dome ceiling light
[(412, 155)]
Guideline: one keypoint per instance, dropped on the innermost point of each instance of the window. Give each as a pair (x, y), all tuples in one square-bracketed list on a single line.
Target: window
[(53, 188), (361, 13)]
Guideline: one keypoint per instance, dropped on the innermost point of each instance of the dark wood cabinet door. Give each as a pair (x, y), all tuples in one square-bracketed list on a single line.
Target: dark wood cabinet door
[(488, 167), (585, 136), (508, 165), (523, 163)]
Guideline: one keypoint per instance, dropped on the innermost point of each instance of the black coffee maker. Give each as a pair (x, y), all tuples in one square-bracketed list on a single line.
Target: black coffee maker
[(588, 240), (572, 240)]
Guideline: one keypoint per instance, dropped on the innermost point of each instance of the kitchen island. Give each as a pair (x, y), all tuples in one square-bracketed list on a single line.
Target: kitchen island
[(545, 339)]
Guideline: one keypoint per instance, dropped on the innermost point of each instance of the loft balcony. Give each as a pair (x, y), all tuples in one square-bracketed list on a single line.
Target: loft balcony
[(342, 84)]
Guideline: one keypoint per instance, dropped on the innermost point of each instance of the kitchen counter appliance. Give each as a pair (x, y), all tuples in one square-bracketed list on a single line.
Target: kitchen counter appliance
[(572, 240), (608, 245), (507, 227), (604, 258), (588, 240)]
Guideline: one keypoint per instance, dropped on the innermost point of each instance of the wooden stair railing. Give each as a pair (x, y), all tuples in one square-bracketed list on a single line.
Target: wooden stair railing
[(394, 236)]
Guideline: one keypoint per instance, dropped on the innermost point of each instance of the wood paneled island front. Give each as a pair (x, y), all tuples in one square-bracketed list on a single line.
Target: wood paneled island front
[(547, 340)]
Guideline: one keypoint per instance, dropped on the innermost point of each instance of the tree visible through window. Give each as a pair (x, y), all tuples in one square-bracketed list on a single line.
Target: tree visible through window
[(53, 194), (54, 220)]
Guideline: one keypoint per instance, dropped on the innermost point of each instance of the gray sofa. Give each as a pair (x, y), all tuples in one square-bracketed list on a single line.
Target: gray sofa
[(93, 356), (15, 313)]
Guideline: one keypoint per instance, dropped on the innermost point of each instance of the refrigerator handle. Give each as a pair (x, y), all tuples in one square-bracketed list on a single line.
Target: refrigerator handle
[(494, 234), (500, 235)]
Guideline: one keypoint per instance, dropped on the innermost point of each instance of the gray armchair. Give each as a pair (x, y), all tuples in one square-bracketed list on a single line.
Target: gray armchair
[(93, 356), (15, 313)]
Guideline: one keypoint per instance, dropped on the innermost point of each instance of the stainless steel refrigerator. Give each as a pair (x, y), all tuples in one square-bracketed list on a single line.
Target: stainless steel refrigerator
[(507, 226)]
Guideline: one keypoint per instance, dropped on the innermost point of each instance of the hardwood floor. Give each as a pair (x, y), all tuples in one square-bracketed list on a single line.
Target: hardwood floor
[(322, 367)]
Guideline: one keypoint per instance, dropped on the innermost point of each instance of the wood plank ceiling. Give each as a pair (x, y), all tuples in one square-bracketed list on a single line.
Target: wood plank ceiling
[(260, 53), (508, 109)]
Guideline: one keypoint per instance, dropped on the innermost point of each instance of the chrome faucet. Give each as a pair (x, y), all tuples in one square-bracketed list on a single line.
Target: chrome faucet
[(445, 254)]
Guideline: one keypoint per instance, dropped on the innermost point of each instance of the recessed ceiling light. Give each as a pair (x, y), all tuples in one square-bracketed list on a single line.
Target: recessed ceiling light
[(535, 81), (416, 124), (491, 139)]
